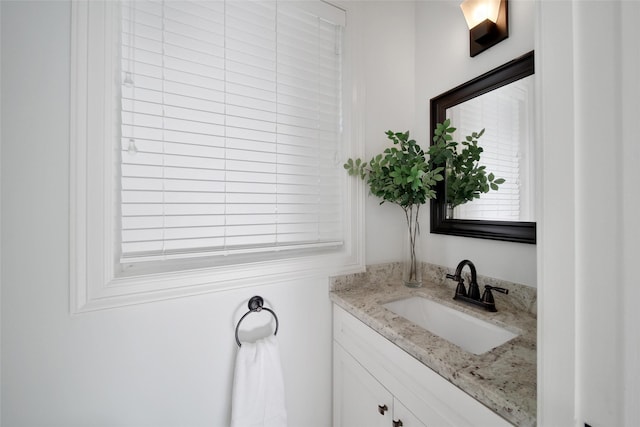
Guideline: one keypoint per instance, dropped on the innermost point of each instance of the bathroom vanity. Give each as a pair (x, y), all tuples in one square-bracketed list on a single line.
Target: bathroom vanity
[(389, 371)]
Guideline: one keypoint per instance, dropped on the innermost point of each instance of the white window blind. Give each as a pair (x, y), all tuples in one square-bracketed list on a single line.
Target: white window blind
[(230, 127), (506, 141)]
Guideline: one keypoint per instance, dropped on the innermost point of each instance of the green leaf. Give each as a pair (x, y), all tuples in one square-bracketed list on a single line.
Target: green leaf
[(402, 175)]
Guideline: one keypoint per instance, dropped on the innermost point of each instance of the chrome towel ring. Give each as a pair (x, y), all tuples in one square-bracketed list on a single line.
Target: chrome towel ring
[(255, 305)]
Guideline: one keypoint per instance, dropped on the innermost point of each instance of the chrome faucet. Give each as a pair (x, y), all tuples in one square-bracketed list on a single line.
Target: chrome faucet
[(473, 294)]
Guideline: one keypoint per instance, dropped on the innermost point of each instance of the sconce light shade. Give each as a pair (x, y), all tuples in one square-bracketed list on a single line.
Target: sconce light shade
[(488, 23)]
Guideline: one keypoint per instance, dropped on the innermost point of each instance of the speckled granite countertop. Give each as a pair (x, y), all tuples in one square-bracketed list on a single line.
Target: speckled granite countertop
[(503, 379)]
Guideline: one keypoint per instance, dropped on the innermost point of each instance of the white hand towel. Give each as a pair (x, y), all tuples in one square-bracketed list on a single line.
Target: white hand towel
[(258, 387)]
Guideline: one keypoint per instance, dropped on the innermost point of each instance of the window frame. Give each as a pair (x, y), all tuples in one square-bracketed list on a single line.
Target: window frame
[(93, 247)]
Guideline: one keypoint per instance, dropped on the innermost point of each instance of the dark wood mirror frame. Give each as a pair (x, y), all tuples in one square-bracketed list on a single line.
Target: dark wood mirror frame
[(512, 231)]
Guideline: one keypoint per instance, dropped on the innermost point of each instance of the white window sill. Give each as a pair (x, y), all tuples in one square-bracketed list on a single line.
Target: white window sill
[(125, 291)]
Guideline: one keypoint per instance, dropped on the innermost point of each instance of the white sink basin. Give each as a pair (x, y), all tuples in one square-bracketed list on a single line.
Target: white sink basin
[(467, 332)]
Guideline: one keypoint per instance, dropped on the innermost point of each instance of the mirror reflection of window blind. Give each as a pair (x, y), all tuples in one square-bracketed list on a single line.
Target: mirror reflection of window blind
[(231, 127), (503, 113)]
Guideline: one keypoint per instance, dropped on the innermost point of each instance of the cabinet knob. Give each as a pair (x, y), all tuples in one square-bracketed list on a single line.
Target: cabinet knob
[(397, 423), (382, 409)]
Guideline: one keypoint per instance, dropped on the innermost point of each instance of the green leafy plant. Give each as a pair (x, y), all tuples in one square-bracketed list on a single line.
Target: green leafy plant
[(466, 178), (401, 175)]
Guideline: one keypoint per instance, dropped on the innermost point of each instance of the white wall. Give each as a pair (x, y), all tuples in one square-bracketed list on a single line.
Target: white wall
[(588, 368), (629, 205), (0, 220), (598, 227), (443, 62), (389, 75), (160, 364), (556, 288)]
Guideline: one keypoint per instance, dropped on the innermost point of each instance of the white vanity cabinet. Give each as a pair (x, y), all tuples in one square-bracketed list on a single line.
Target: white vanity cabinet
[(360, 400), (370, 372)]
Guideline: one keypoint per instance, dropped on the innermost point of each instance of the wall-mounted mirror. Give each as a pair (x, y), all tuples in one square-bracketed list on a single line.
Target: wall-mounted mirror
[(501, 102)]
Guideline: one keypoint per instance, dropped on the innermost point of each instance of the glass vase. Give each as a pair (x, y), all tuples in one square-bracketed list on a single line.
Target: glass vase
[(450, 211), (411, 264)]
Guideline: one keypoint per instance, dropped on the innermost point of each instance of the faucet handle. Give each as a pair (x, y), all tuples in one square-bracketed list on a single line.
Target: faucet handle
[(460, 289), (487, 296)]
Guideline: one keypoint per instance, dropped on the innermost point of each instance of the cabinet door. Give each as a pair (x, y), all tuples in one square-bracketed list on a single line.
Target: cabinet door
[(402, 417), (358, 399)]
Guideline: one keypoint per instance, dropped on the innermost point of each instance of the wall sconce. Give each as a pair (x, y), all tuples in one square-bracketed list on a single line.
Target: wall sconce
[(488, 23)]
